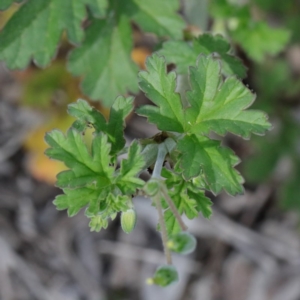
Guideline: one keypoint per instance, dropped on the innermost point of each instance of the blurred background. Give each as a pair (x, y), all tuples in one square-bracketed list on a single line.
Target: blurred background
[(250, 249)]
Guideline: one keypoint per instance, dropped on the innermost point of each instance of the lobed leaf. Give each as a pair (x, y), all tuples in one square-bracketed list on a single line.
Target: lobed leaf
[(188, 199), (160, 88), (127, 179), (200, 153), (221, 106), (85, 168), (113, 128), (34, 31), (183, 54), (74, 200), (110, 71)]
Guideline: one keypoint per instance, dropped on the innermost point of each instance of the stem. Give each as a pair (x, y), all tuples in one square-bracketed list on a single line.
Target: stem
[(162, 152), (173, 209), (163, 229)]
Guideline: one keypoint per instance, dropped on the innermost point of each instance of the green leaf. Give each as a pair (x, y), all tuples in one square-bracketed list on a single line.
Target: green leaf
[(85, 168), (172, 225), (74, 200), (203, 204), (86, 115), (34, 31), (91, 180), (156, 16), (177, 190), (104, 60), (267, 40), (214, 105), (127, 180), (97, 223), (200, 153), (221, 106), (188, 199), (160, 88), (184, 55), (120, 109)]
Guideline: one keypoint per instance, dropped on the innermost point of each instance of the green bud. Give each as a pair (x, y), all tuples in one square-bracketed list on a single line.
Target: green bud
[(183, 243), (152, 187), (164, 276), (128, 220)]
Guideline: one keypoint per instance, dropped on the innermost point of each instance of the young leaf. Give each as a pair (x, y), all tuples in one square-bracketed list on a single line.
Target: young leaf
[(127, 180), (97, 223), (172, 225), (203, 203), (221, 106), (35, 29), (91, 180), (86, 115), (84, 168), (74, 200), (160, 88), (188, 199), (201, 153), (184, 55), (109, 72)]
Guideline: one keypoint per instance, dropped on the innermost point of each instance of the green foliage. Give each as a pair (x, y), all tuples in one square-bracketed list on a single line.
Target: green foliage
[(256, 38), (186, 161), (267, 40), (187, 197), (278, 94), (103, 54), (214, 106), (183, 54), (95, 180), (40, 25)]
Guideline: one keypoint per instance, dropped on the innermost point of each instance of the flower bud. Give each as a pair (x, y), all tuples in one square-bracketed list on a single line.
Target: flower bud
[(164, 276), (128, 220), (183, 243)]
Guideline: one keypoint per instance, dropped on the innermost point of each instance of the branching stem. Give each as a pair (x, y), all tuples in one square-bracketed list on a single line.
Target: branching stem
[(173, 208), (163, 229), (162, 152)]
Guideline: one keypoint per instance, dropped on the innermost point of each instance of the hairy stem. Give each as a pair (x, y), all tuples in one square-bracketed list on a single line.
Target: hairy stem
[(162, 152), (163, 229), (173, 208)]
